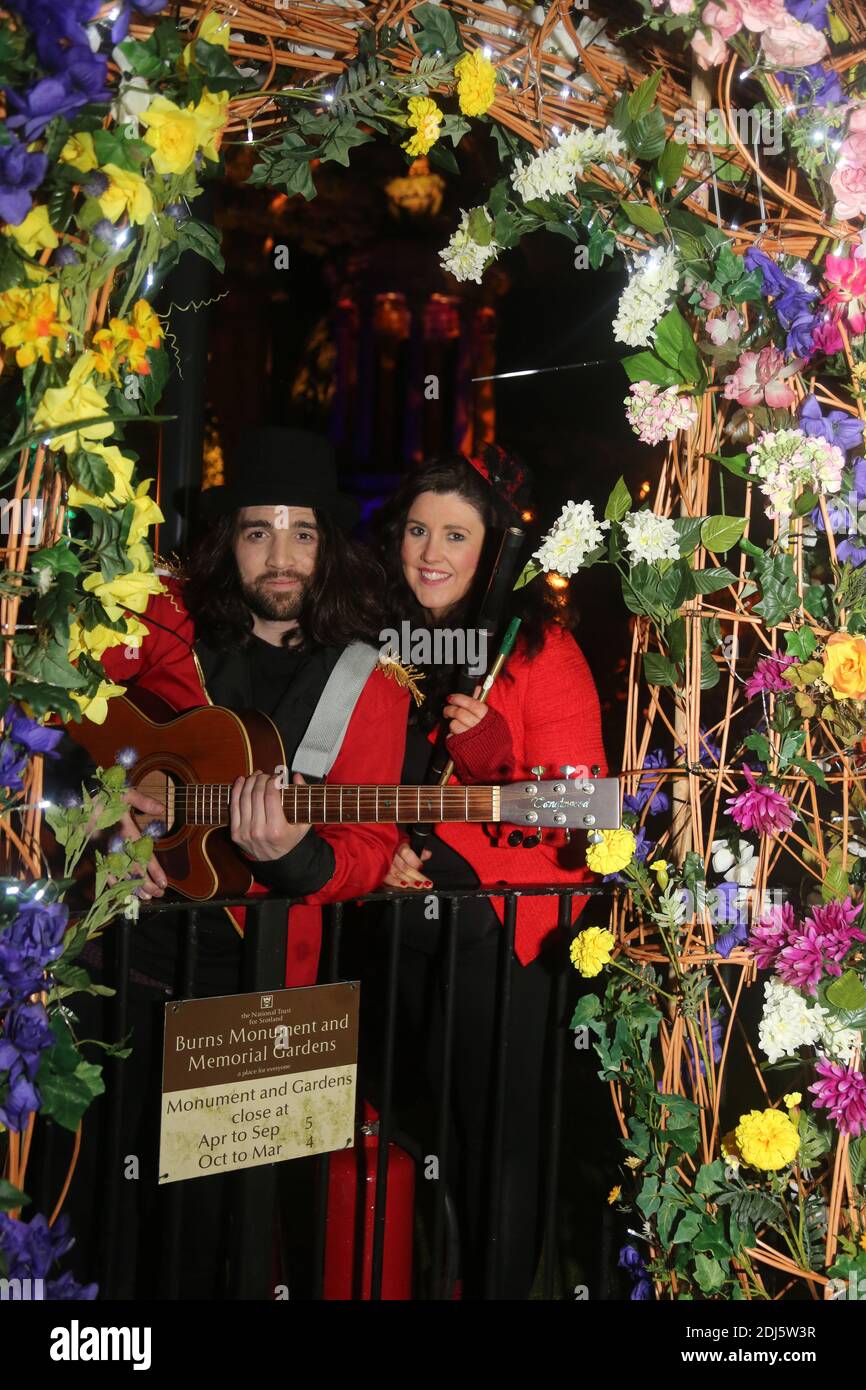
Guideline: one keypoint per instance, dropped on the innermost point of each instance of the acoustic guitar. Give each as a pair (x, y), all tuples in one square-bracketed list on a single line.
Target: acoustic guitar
[(188, 762)]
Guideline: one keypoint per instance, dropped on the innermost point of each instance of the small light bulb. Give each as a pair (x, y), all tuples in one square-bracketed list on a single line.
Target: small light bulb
[(488, 52), (329, 97)]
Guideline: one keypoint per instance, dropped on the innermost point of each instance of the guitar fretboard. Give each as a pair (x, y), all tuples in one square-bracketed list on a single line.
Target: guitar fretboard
[(208, 804)]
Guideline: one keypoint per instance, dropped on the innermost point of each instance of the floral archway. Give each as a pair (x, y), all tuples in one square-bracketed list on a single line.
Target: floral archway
[(719, 150)]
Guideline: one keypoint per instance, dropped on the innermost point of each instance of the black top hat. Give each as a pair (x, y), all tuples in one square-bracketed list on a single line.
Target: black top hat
[(274, 466)]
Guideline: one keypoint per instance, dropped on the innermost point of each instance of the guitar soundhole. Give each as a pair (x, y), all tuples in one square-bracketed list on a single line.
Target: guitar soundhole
[(162, 787)]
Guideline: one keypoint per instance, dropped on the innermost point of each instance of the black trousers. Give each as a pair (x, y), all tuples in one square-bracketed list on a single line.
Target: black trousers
[(421, 1035)]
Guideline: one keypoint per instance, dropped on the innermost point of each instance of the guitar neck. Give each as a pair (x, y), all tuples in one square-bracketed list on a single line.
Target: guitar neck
[(208, 804)]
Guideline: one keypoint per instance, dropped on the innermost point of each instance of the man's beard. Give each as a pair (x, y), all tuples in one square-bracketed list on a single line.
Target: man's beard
[(275, 605)]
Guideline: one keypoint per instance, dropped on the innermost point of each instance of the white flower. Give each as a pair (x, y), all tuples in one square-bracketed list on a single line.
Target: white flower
[(650, 537), (645, 297), (838, 1042), (743, 869), (573, 535), (464, 257), (554, 170), (789, 1021), (580, 148), (131, 907)]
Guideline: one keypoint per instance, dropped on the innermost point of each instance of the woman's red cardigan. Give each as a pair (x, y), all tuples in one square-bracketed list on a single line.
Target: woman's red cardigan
[(544, 711)]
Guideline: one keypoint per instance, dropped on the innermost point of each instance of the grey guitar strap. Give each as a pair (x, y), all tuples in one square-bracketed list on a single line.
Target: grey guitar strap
[(326, 730)]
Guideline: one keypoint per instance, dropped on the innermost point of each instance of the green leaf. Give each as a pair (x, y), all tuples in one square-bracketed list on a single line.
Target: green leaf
[(213, 71), (111, 147), (142, 58), (479, 227), (709, 581), (675, 344), (800, 642), (675, 635), (203, 239), (688, 529), (710, 1178), (434, 30), (340, 142), (643, 216), (659, 670), (646, 136), (588, 1008), (847, 993), (688, 1228), (645, 366), (735, 463), (709, 1274), (91, 472), (11, 1197), (618, 503), (59, 558), (641, 99), (719, 533), (671, 161), (675, 585), (836, 884)]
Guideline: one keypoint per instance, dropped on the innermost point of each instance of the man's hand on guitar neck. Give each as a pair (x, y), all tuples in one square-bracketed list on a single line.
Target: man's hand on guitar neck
[(154, 880), (258, 826)]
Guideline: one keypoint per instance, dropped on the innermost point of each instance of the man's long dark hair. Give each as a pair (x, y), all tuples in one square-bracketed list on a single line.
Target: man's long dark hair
[(535, 604), (342, 603)]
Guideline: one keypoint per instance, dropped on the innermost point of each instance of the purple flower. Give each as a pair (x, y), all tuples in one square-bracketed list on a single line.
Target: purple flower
[(631, 1259), (36, 738), (51, 21), (642, 1292), (66, 1288), (96, 184), (760, 808), (714, 1044), (842, 1091), (20, 975), (708, 751), (812, 12), (772, 934), (20, 173), (766, 679), (646, 787), (837, 427), (120, 28), (20, 1100), (729, 911), (38, 930), (65, 255), (25, 1037), (81, 81), (824, 88), (12, 764), (32, 1247)]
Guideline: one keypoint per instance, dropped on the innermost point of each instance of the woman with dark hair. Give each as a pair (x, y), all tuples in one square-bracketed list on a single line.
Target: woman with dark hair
[(432, 539)]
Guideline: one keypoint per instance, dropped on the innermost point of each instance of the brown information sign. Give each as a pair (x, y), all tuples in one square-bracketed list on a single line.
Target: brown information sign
[(257, 1078)]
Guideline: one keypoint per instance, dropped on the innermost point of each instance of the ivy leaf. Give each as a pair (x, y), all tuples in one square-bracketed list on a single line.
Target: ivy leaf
[(800, 642), (340, 142), (213, 71), (142, 58), (710, 1178), (110, 147), (59, 559), (779, 597), (436, 30), (719, 533), (203, 239), (618, 503), (688, 1228), (709, 1273)]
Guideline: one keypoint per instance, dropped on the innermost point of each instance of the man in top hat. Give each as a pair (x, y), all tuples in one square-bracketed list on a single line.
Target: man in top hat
[(270, 596)]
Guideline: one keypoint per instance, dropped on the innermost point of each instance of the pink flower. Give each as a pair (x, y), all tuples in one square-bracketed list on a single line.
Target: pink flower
[(682, 6), (803, 962), (760, 808), (709, 299), (760, 377), (758, 15), (842, 1091), (726, 18), (766, 679), (847, 276), (848, 182), (771, 935), (835, 921), (826, 338), (711, 51), (725, 329), (790, 44)]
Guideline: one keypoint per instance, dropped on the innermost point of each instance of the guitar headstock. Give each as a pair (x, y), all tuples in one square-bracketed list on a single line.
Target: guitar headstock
[(564, 803)]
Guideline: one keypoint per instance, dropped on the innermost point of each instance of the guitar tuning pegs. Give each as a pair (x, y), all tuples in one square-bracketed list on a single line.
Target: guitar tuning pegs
[(532, 840), (538, 772), (595, 770), (567, 770), (515, 838)]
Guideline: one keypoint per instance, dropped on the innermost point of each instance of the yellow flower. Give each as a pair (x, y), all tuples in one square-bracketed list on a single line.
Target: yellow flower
[(107, 348), (845, 666), (31, 321), (215, 29), (614, 1195), (145, 514), (425, 118), (173, 133), (792, 1099), (633, 1162), (35, 233), (767, 1139), (95, 707), (211, 116), (660, 869), (613, 851), (142, 332), (96, 640), (79, 151), (863, 1241), (125, 591), (79, 399), (126, 193), (476, 83), (591, 950)]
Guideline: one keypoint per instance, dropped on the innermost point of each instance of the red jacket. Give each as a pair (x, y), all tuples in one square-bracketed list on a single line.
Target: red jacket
[(372, 751), (543, 712)]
